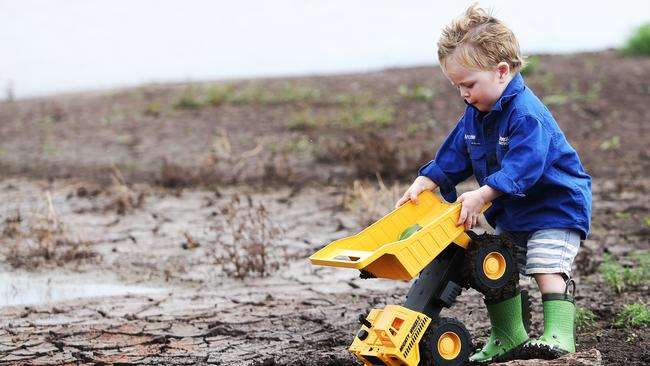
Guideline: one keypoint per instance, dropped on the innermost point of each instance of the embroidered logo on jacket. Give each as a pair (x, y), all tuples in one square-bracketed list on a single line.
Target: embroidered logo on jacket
[(504, 140), (470, 137)]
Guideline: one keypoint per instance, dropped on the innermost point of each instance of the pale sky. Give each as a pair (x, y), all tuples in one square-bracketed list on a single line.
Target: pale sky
[(72, 45)]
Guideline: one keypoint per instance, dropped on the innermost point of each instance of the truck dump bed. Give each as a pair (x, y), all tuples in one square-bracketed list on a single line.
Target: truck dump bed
[(378, 250)]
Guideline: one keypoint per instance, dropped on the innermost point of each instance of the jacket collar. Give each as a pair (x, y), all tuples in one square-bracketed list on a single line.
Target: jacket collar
[(515, 86)]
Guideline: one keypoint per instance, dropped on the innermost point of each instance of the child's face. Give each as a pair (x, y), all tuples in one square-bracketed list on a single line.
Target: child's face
[(480, 88)]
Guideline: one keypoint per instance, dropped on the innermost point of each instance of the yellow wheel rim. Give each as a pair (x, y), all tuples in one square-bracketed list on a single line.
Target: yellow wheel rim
[(494, 265), (449, 345)]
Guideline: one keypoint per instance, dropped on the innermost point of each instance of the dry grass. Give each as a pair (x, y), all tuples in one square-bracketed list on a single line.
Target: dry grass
[(369, 202), (41, 238), (124, 198), (119, 196), (174, 176), (190, 241), (370, 153), (221, 165), (246, 241)]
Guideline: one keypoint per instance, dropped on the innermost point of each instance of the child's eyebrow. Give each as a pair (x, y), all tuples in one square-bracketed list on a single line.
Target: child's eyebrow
[(463, 83)]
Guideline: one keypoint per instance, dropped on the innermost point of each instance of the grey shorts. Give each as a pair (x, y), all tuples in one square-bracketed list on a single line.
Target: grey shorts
[(545, 251)]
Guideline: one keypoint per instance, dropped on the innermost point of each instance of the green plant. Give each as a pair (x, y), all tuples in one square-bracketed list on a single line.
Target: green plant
[(555, 99), (301, 145), (414, 128), (50, 148), (152, 109), (530, 65), (612, 143), (578, 94), (355, 116), (633, 316), (253, 93), (622, 215), (549, 84), (585, 318), (575, 95), (355, 98), (632, 338), (612, 273), (593, 94), (641, 273), (291, 93), (417, 92), (619, 277), (221, 94), (305, 120), (639, 43), (257, 93), (188, 99)]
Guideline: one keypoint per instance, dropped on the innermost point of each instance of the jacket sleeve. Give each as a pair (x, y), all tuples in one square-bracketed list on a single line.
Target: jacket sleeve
[(526, 159), (452, 164)]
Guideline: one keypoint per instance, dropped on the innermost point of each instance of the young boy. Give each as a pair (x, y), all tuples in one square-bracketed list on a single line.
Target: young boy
[(540, 194)]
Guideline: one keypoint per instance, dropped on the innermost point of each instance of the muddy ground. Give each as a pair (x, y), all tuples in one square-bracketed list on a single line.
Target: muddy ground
[(136, 187)]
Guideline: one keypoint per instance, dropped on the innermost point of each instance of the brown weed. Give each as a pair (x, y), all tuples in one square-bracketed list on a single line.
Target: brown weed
[(246, 241)]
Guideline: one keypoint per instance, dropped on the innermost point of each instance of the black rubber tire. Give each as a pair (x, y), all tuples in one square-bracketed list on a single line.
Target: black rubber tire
[(481, 245), (429, 355)]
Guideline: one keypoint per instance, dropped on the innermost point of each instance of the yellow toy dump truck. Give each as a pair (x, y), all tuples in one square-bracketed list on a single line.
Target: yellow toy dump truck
[(420, 240)]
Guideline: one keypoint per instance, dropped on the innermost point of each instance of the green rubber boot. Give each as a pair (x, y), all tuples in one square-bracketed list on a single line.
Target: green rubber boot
[(559, 325), (507, 329)]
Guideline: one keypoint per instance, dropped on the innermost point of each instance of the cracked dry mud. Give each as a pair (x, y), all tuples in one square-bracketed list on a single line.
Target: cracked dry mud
[(300, 315)]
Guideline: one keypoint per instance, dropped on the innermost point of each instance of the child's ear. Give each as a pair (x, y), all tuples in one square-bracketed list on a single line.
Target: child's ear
[(503, 70)]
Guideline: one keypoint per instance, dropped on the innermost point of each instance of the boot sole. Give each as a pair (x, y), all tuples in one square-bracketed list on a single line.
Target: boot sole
[(538, 351)]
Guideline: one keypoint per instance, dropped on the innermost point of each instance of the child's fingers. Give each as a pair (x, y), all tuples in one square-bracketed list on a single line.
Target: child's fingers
[(470, 221), (405, 198), (414, 196), (474, 221), (463, 216), (402, 200), (463, 210)]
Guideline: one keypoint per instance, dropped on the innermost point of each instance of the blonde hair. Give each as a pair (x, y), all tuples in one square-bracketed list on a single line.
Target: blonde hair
[(477, 40)]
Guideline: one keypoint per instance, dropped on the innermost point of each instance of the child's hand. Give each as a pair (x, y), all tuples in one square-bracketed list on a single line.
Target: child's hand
[(473, 202), (420, 184)]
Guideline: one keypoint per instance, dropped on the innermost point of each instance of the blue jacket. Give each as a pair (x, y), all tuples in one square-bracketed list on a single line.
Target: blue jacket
[(516, 148)]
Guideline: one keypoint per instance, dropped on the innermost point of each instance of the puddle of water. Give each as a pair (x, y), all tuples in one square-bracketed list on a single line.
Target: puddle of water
[(21, 288)]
